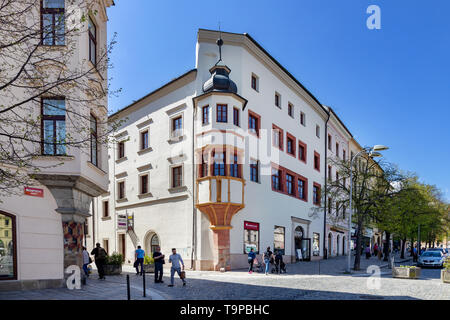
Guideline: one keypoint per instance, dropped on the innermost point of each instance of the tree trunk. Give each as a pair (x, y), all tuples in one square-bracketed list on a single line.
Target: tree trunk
[(402, 254), (386, 247), (357, 264)]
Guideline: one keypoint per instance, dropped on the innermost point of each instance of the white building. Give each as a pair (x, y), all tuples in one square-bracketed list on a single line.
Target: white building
[(45, 221), (227, 157)]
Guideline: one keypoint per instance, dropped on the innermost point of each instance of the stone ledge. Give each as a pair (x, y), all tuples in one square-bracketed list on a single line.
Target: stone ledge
[(15, 285)]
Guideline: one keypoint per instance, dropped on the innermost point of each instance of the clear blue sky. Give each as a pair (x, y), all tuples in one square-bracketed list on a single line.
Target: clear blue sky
[(389, 86)]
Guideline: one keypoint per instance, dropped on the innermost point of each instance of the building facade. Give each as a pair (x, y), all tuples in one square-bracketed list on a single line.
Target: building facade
[(229, 156), (42, 224)]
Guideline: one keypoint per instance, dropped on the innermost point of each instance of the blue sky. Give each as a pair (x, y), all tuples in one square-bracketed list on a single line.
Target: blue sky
[(389, 86)]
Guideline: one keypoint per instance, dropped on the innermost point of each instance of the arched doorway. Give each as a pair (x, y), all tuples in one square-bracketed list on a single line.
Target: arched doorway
[(330, 237), (151, 242), (8, 250), (337, 245)]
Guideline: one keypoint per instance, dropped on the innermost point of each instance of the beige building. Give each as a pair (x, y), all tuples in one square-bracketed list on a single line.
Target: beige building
[(45, 219)]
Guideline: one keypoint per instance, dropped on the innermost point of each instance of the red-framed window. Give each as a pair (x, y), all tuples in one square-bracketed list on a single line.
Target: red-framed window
[(222, 113), (276, 179), (316, 161), (290, 144), (277, 137), (316, 193), (302, 151), (254, 123), (290, 184), (205, 115)]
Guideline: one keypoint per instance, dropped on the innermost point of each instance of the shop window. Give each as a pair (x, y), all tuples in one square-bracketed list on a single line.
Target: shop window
[(278, 239), (8, 261), (316, 244), (251, 237)]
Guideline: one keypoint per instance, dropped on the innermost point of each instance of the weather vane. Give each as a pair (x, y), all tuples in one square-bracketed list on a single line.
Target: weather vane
[(220, 43)]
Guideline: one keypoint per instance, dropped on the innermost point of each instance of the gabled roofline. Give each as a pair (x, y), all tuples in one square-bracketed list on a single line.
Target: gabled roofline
[(153, 93), (246, 35)]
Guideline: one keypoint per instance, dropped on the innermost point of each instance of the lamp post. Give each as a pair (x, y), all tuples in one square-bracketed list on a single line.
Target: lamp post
[(372, 154)]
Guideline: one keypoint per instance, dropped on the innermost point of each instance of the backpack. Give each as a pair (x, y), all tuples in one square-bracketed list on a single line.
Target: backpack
[(101, 253)]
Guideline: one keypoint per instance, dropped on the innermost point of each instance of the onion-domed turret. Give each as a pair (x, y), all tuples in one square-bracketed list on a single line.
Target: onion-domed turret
[(220, 80)]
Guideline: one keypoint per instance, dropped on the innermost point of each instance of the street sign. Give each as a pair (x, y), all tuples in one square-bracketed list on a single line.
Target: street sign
[(121, 221), (34, 192)]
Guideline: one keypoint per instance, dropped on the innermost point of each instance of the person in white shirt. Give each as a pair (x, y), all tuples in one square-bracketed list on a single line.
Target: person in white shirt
[(175, 259)]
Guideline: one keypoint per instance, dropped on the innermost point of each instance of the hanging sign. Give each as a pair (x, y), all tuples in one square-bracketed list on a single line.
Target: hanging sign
[(130, 221), (121, 221)]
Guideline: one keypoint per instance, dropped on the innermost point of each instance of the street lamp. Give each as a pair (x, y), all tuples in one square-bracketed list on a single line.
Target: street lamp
[(372, 154)]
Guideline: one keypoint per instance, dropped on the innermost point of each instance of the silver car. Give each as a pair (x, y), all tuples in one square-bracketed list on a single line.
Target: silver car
[(443, 250), (431, 259)]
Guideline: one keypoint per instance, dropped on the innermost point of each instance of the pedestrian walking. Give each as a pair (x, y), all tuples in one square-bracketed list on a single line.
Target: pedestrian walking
[(158, 257), (175, 259), (251, 260), (415, 254), (139, 255), (100, 255), (278, 261), (368, 252), (86, 261), (375, 249), (267, 256)]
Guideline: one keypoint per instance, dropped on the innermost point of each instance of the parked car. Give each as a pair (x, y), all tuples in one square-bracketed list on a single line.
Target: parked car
[(431, 259), (442, 250)]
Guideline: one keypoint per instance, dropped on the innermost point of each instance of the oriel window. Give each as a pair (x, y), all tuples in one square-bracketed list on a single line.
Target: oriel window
[(219, 164), (222, 113)]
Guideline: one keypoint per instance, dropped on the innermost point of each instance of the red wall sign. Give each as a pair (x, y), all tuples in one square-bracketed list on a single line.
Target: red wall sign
[(34, 192), (251, 225)]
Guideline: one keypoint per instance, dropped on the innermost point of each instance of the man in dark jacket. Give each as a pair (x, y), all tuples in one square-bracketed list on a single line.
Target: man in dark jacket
[(100, 255), (159, 262)]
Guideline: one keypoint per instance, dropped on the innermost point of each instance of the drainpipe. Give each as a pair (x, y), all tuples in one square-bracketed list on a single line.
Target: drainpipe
[(325, 253), (194, 211)]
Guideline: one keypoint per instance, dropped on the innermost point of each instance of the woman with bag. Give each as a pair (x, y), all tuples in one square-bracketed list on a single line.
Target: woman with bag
[(86, 261)]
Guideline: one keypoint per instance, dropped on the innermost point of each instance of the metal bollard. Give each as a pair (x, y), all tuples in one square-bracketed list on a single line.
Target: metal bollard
[(143, 281), (128, 287)]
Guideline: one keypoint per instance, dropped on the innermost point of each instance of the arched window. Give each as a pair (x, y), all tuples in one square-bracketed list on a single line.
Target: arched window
[(8, 264), (154, 242)]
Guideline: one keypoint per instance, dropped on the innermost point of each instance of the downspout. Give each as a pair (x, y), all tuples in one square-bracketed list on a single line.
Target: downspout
[(194, 220), (325, 253)]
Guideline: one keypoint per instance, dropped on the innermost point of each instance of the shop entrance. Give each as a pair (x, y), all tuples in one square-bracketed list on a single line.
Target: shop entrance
[(122, 245), (302, 245)]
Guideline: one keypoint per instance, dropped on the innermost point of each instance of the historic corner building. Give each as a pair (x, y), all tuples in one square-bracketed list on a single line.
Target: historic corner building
[(42, 230), (227, 157)]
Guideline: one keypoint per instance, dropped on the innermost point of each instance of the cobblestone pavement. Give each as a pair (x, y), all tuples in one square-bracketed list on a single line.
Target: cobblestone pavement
[(301, 282)]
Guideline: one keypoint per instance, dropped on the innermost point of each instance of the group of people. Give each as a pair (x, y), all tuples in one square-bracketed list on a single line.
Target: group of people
[(269, 258), (158, 257), (100, 255), (377, 251)]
